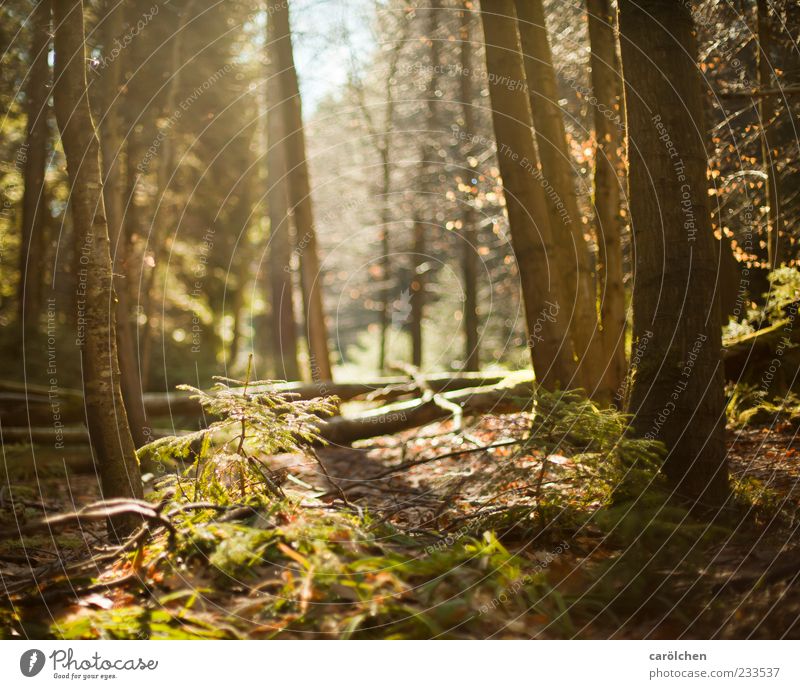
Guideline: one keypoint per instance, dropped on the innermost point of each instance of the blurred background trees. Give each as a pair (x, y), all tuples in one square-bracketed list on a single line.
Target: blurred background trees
[(402, 207)]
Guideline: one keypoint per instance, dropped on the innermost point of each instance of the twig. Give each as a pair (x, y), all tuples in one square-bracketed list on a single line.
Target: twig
[(106, 509)]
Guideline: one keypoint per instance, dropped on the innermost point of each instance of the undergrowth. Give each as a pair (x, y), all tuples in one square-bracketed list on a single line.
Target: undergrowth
[(537, 545)]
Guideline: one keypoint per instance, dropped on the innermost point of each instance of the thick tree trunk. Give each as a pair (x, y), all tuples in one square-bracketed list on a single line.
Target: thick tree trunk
[(299, 191), (108, 422), (608, 126), (34, 199), (111, 129), (677, 383), (767, 109), (546, 313), (284, 325), (469, 255), (570, 246)]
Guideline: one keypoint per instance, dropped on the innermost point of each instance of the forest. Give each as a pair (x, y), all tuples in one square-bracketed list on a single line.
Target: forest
[(390, 319)]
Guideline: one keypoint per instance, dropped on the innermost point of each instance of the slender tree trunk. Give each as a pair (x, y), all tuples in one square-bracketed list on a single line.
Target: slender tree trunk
[(417, 289), (677, 385), (425, 176), (166, 168), (528, 218), (571, 249), (284, 324), (34, 199), (108, 422), (384, 150), (606, 85), (111, 129), (469, 256), (386, 262), (299, 191), (767, 110)]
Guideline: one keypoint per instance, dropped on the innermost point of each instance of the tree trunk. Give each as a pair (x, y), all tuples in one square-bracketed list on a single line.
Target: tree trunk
[(386, 262), (299, 192), (767, 109), (571, 250), (427, 156), (34, 199), (677, 382), (608, 128), (545, 312), (164, 173), (111, 128), (108, 422), (284, 328), (469, 255), (417, 291)]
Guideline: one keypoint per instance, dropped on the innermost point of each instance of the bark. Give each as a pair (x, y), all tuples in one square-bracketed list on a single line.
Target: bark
[(767, 110), (34, 199), (107, 420), (531, 237), (606, 89), (299, 192), (284, 324), (677, 384), (112, 144), (469, 255), (571, 249)]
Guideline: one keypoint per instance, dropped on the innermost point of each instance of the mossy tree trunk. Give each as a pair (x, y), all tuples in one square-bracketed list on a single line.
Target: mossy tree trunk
[(107, 419)]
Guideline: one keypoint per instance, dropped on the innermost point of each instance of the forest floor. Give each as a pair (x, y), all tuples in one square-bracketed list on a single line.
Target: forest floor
[(425, 534)]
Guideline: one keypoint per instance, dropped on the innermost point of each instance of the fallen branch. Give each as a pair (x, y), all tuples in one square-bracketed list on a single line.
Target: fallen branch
[(401, 416), (98, 511)]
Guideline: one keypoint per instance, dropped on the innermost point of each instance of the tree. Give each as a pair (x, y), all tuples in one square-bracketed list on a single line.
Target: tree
[(426, 173), (469, 256), (283, 326), (299, 189), (767, 111), (606, 89), (528, 217), (111, 126), (107, 419), (677, 385), (570, 246), (34, 200), (164, 175)]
